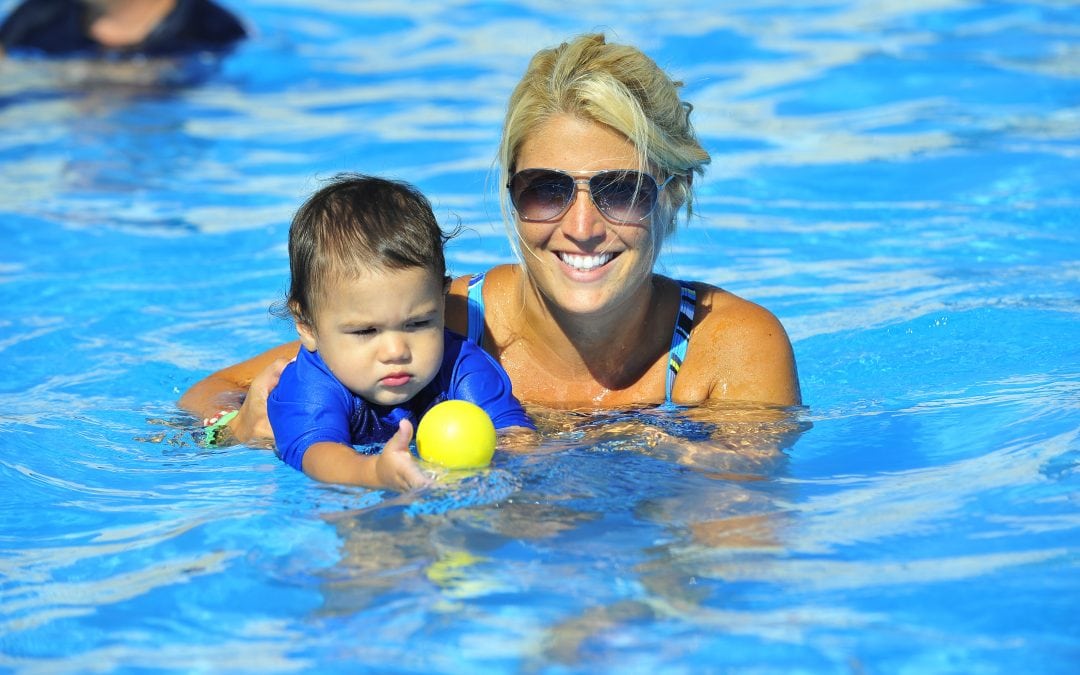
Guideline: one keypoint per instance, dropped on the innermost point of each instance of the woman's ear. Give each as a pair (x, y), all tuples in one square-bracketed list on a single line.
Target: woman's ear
[(688, 187)]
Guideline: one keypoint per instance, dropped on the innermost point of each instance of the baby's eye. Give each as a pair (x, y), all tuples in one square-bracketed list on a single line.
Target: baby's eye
[(421, 323), (364, 332)]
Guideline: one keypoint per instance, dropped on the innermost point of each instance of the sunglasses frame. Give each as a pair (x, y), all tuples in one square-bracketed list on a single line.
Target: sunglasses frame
[(585, 178)]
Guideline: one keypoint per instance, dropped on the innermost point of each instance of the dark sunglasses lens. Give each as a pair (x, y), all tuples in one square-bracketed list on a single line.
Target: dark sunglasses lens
[(539, 194), (626, 196)]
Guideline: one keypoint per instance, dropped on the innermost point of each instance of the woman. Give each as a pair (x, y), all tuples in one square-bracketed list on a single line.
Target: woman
[(597, 158)]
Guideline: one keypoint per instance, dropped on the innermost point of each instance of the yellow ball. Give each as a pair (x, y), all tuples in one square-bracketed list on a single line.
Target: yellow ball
[(456, 434)]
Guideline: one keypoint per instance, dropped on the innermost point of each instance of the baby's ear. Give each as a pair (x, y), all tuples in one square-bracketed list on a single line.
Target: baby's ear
[(305, 330), (308, 338)]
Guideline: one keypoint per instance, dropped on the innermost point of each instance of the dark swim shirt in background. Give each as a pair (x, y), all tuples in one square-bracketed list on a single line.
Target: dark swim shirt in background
[(58, 28)]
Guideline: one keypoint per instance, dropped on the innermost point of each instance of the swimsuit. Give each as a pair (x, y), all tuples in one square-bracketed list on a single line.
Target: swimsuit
[(309, 405), (58, 28), (680, 338)]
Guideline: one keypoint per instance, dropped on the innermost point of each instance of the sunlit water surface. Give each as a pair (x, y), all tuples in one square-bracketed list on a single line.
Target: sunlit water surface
[(896, 181)]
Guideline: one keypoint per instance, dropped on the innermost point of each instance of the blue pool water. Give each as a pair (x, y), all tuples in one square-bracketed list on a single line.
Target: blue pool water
[(896, 181)]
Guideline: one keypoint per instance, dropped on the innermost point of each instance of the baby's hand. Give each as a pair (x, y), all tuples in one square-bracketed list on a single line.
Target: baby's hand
[(395, 466)]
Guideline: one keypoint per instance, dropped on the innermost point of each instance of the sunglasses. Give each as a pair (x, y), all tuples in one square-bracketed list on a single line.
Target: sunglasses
[(622, 196)]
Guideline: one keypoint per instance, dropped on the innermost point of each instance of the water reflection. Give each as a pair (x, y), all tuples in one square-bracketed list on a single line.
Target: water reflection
[(892, 179), (603, 522)]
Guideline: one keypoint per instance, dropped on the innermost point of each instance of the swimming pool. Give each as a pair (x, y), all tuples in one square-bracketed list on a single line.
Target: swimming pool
[(896, 181)]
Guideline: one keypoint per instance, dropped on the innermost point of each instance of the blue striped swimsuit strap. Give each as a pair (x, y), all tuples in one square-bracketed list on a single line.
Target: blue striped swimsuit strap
[(680, 339), (476, 310)]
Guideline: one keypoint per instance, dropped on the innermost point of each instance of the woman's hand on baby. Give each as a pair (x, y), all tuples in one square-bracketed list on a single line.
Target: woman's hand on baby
[(251, 424), (395, 466)]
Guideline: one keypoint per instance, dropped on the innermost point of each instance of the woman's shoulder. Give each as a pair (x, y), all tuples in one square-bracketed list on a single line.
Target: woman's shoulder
[(738, 350), (496, 281), (718, 309), (496, 275)]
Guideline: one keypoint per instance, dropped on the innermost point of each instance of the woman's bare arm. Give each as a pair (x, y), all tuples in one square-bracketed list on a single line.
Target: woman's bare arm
[(739, 352), (244, 387)]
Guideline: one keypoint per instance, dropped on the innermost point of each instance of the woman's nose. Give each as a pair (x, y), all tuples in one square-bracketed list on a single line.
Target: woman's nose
[(583, 221)]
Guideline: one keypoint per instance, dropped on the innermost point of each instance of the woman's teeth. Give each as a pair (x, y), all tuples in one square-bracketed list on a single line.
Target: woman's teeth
[(585, 263)]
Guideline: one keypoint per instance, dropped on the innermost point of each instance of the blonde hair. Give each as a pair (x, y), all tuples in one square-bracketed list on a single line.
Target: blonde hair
[(617, 86)]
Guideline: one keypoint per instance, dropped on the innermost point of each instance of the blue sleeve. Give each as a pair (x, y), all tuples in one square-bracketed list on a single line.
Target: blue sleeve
[(307, 406), (47, 26), (193, 26), (478, 378)]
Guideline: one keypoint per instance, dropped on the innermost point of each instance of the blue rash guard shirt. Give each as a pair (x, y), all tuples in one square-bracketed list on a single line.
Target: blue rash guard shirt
[(309, 405)]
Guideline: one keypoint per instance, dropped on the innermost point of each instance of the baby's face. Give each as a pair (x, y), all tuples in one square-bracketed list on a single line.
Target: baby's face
[(380, 333)]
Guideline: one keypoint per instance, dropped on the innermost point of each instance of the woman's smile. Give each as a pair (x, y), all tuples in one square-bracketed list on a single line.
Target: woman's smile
[(585, 263)]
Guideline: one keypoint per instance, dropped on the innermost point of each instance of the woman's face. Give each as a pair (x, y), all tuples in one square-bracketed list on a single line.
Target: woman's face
[(581, 261)]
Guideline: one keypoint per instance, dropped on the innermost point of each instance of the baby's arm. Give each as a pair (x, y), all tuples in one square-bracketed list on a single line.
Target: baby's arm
[(393, 468)]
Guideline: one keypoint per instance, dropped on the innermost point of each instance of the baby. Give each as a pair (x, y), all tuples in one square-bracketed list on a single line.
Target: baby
[(367, 295)]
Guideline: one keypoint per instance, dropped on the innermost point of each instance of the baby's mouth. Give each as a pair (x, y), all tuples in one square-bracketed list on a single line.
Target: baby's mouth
[(585, 263), (396, 379)]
